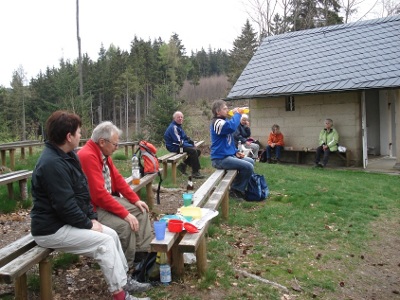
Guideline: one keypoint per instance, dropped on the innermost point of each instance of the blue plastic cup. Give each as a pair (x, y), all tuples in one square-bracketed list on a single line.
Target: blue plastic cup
[(187, 199), (159, 229)]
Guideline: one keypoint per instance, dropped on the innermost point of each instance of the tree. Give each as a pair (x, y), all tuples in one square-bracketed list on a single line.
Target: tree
[(243, 50)]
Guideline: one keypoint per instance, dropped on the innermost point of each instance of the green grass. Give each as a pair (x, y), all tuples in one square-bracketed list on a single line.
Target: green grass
[(314, 222)]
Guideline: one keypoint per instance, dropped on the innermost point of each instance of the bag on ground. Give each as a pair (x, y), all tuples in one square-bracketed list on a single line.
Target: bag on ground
[(148, 162), (257, 188)]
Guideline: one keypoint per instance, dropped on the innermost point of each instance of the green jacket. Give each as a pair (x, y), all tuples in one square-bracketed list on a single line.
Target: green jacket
[(330, 138)]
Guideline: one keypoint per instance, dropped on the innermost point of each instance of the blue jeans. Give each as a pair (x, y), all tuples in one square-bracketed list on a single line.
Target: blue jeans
[(278, 150), (245, 166)]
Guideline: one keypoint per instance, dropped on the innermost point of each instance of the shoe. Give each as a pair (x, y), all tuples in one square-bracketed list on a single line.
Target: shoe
[(278, 161), (269, 161), (133, 286), (130, 297), (236, 194), (197, 175), (182, 168), (318, 165)]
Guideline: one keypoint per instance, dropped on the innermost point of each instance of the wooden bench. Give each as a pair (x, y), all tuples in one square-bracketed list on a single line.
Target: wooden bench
[(145, 181), (128, 145), (11, 148), (301, 152), (22, 178), (211, 194), (173, 159), (20, 256)]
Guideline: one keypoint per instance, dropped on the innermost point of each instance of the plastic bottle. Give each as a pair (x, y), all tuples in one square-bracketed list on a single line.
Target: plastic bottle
[(165, 269), (240, 147), (246, 110), (154, 271), (189, 187), (180, 147), (135, 170)]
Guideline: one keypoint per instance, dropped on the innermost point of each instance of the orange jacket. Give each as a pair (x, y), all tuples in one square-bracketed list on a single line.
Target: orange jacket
[(276, 138)]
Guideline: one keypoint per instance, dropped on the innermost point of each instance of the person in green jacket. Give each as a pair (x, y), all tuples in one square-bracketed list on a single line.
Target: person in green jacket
[(328, 142)]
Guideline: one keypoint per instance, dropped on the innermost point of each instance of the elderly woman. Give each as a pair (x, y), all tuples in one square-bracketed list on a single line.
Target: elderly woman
[(243, 134)]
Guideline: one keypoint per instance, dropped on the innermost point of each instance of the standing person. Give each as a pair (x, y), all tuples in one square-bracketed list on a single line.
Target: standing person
[(328, 142), (224, 154), (243, 134), (62, 217), (174, 136), (117, 205), (275, 143)]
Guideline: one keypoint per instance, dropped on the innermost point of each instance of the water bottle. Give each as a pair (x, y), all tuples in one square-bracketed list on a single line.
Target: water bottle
[(135, 170), (165, 269), (189, 187), (240, 147)]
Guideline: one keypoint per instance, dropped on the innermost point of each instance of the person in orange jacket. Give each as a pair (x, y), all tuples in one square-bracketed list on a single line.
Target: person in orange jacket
[(275, 143)]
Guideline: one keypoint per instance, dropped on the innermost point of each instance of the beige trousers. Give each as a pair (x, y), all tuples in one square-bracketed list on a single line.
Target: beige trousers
[(131, 241)]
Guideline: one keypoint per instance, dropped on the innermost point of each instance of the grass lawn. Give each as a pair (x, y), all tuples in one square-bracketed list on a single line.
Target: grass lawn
[(314, 223)]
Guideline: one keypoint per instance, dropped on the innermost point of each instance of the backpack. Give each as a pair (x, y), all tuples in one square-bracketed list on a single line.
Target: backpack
[(263, 156), (257, 188), (148, 270), (148, 162)]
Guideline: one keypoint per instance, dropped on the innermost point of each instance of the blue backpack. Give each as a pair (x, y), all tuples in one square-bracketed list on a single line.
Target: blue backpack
[(257, 188)]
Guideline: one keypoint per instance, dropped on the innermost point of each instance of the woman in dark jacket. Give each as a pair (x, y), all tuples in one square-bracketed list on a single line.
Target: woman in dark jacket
[(62, 216)]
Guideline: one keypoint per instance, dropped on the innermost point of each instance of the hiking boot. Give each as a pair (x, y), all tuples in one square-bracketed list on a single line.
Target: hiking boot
[(182, 168), (318, 165), (130, 297), (236, 194), (133, 286), (197, 175), (278, 161)]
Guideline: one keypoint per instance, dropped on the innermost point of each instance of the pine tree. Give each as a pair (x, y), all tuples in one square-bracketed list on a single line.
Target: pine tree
[(243, 50)]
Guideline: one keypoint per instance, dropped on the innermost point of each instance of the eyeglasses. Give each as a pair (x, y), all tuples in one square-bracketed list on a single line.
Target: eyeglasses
[(114, 144)]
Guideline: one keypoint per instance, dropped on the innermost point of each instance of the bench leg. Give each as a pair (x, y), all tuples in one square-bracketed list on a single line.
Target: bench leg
[(23, 187), (225, 206), (178, 267), (10, 190), (46, 285), (127, 151), (201, 257), (150, 196), (173, 170), (30, 151), (165, 171), (21, 290), (12, 159), (22, 153), (3, 157)]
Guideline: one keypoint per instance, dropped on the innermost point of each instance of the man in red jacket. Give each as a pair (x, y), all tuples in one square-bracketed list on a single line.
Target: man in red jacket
[(117, 205)]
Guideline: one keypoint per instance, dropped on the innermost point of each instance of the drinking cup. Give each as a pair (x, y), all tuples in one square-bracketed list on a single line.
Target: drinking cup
[(159, 229)]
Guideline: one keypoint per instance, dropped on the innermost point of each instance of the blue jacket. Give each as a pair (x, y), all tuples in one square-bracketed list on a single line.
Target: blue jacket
[(173, 135), (222, 140)]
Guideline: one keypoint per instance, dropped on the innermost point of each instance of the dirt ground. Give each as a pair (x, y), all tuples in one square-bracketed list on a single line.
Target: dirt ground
[(376, 273)]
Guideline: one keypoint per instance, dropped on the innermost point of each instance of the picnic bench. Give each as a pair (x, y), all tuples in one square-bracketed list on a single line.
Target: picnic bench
[(19, 257), (145, 181), (173, 158), (128, 145), (211, 194), (11, 148), (17, 176), (300, 154)]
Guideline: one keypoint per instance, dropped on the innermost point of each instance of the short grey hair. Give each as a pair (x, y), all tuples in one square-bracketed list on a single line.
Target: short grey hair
[(244, 116), (104, 131), (329, 120), (175, 113), (216, 107)]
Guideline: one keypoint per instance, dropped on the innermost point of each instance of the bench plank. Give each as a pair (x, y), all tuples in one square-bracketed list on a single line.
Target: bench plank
[(16, 248), (21, 177), (164, 160)]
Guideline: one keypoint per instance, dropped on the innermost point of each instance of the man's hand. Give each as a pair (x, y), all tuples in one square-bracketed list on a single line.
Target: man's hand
[(133, 222), (239, 154), (97, 226), (142, 206)]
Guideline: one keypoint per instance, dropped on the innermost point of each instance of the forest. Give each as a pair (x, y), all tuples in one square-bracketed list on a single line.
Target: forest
[(139, 89)]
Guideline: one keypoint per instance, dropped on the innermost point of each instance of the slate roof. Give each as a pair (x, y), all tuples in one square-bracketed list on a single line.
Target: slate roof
[(353, 56)]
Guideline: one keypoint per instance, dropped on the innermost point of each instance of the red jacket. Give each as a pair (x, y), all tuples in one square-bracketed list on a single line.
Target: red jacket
[(275, 138), (92, 165)]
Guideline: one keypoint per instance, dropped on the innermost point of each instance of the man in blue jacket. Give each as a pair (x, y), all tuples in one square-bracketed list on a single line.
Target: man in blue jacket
[(176, 138), (224, 154)]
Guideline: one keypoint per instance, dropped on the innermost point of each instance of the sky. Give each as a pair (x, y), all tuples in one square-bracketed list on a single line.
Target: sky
[(36, 34)]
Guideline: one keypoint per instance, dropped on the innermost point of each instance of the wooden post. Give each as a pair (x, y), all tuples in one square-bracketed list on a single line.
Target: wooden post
[(3, 157), (23, 187), (21, 290), (165, 171), (10, 190), (12, 159), (30, 151), (22, 152), (173, 170), (225, 205), (150, 195), (45, 279), (201, 257), (178, 267), (126, 150)]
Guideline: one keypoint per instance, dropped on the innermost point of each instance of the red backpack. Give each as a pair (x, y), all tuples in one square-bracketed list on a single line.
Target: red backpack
[(148, 162)]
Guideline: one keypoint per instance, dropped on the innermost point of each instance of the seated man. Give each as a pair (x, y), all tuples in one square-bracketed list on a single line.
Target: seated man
[(174, 137), (62, 217), (224, 154), (117, 205), (275, 143), (328, 142), (243, 134)]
